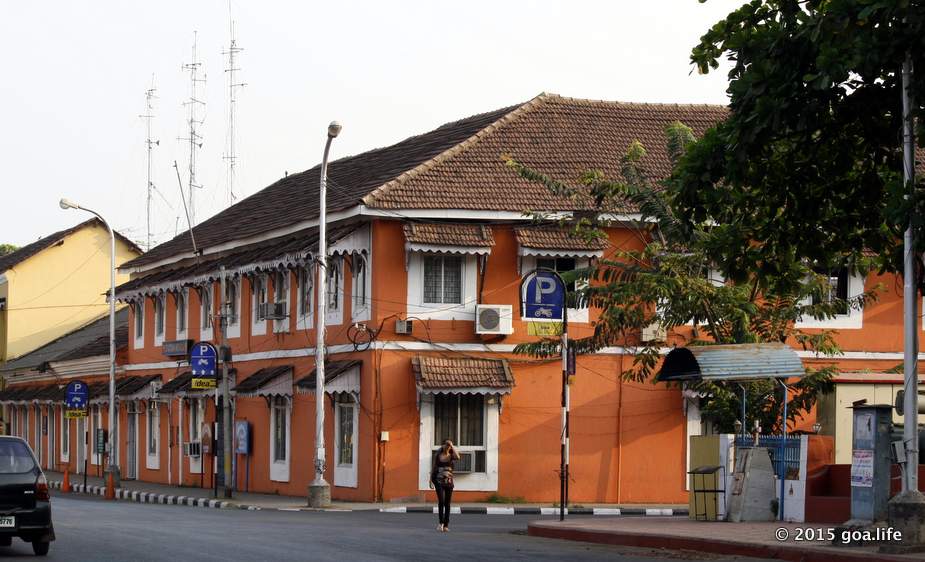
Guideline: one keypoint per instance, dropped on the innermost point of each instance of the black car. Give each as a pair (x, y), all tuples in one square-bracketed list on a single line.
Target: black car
[(25, 508)]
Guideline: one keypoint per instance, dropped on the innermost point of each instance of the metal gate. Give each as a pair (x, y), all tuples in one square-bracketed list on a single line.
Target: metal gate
[(131, 456)]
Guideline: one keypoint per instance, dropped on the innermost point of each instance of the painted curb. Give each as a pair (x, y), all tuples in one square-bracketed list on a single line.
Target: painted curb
[(506, 510), (151, 497)]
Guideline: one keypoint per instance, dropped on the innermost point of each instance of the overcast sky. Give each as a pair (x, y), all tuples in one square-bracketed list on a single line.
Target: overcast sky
[(75, 75)]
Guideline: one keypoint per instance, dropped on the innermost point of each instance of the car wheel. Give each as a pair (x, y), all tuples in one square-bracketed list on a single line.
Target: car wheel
[(40, 548)]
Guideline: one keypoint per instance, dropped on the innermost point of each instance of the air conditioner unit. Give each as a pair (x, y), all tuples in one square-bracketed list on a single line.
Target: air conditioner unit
[(273, 310), (494, 319), (192, 448), (403, 327), (466, 462), (654, 332)]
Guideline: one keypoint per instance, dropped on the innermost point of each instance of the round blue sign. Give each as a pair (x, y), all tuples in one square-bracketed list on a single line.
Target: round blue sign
[(543, 296), (76, 395)]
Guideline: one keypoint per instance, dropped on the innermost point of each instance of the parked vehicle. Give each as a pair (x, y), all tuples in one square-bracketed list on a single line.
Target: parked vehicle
[(25, 508)]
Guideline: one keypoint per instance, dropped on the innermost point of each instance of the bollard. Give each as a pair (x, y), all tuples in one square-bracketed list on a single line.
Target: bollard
[(66, 484)]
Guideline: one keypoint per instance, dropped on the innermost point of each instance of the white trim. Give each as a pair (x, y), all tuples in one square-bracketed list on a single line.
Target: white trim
[(853, 320), (552, 253), (282, 326), (305, 321), (334, 315), (415, 298), (279, 470), (138, 341), (282, 386), (444, 249), (476, 481), (233, 329), (195, 463), (64, 429), (258, 327), (181, 334), (360, 312), (159, 304), (206, 290), (345, 475), (96, 458)]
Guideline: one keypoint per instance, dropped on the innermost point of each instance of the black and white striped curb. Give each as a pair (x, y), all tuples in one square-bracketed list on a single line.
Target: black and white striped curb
[(151, 497), (631, 511)]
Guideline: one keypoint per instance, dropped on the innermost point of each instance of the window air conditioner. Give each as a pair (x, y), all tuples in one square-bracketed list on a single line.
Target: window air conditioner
[(654, 332), (192, 448), (403, 327), (273, 310), (466, 462), (494, 319)]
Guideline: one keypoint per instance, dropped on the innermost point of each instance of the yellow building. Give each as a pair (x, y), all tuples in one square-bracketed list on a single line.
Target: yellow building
[(59, 283)]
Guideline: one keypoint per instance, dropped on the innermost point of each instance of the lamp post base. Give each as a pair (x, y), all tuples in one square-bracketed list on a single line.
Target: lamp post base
[(319, 494), (906, 514)]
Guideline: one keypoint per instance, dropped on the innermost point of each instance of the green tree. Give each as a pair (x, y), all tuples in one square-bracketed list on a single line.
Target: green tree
[(667, 283), (807, 166), (7, 249)]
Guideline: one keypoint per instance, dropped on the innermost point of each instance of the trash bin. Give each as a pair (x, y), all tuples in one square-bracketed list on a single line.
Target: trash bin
[(707, 483)]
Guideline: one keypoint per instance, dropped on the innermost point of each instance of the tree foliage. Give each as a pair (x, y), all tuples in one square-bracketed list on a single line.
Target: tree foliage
[(668, 283), (807, 166), (7, 249)]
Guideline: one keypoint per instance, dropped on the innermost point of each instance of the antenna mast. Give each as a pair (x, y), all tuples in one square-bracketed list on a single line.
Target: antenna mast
[(148, 116), (231, 156), (193, 120)]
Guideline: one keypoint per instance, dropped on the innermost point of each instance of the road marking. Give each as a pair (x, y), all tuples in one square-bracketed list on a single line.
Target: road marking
[(499, 511), (393, 510)]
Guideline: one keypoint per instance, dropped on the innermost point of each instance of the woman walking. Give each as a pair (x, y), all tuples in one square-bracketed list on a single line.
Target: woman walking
[(441, 479)]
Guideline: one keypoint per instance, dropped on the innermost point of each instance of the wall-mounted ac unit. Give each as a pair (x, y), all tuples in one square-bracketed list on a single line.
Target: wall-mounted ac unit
[(654, 332), (494, 319), (192, 448), (403, 327), (273, 310), (466, 462)]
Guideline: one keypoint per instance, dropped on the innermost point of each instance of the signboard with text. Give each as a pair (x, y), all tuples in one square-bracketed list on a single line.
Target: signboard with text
[(542, 296), (203, 363), (76, 399)]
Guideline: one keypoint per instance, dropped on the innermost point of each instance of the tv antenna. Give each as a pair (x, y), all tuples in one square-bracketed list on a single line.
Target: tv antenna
[(193, 120), (150, 143), (230, 156)]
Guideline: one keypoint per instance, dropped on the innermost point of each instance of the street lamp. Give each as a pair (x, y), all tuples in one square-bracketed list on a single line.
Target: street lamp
[(113, 461), (319, 491)]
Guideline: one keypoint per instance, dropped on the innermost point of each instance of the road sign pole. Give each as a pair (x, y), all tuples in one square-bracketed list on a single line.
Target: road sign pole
[(563, 469), (226, 395)]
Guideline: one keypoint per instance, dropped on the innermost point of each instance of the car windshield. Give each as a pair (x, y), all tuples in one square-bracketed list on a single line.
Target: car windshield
[(15, 457)]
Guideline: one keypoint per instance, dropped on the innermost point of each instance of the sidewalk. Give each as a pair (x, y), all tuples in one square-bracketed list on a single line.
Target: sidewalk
[(738, 539), (148, 492)]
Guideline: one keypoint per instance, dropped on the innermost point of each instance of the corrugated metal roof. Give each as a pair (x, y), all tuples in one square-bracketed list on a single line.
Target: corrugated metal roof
[(737, 362)]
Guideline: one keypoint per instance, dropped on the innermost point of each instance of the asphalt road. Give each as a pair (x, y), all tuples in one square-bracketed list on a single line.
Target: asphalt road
[(93, 529)]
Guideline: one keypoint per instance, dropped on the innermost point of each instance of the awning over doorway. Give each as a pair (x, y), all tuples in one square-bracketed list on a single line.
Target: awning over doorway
[(269, 381), (737, 362), (464, 375), (339, 377)]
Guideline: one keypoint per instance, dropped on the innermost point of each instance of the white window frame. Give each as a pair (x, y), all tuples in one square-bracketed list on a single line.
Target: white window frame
[(284, 275), (182, 313), (206, 324), (345, 475), (418, 308), (153, 420), (96, 458), (334, 306), (258, 286), (195, 463), (65, 437), (305, 316), (138, 317), (25, 423), (360, 287), (37, 433), (279, 470), (233, 327), (160, 319), (574, 314), (474, 481), (853, 320)]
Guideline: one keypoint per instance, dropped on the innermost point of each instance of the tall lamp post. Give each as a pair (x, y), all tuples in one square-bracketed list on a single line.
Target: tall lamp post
[(113, 461), (319, 491)]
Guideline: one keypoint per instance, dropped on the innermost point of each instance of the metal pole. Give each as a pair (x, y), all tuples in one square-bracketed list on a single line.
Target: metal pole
[(910, 328), (319, 493), (783, 450), (563, 469), (226, 394)]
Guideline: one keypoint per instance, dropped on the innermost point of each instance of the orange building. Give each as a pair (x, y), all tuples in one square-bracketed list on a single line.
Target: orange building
[(427, 244)]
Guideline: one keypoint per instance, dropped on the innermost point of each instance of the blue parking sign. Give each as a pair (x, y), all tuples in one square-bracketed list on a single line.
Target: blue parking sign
[(76, 395), (203, 360), (543, 296)]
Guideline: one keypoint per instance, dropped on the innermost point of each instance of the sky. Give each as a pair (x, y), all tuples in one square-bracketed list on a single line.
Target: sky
[(75, 75)]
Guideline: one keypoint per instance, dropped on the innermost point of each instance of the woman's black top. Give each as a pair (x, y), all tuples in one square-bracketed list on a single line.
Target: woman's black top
[(442, 465)]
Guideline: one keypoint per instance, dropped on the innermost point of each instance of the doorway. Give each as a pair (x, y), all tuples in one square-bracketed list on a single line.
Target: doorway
[(131, 450)]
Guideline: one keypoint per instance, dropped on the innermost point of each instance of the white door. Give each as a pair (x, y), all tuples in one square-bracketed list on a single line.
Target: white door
[(345, 439)]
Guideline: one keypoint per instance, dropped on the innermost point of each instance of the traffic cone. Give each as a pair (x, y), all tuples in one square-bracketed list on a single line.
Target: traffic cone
[(110, 487), (66, 484)]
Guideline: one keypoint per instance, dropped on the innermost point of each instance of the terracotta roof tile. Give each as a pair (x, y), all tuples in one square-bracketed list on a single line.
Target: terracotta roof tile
[(556, 238), (434, 373), (449, 234)]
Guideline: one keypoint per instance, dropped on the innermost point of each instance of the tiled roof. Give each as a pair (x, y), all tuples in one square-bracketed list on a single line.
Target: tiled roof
[(22, 254), (556, 238), (261, 378), (132, 385), (449, 234), (460, 166), (90, 340), (332, 370), (178, 383), (434, 373), (294, 198), (559, 137), (288, 249)]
